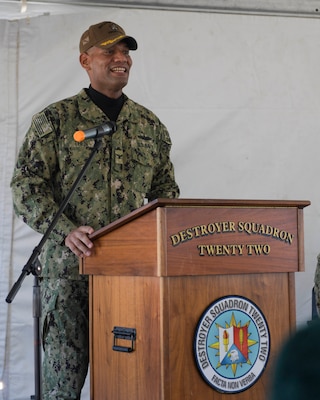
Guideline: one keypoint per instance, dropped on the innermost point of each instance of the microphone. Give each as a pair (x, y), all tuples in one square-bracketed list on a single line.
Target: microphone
[(95, 133)]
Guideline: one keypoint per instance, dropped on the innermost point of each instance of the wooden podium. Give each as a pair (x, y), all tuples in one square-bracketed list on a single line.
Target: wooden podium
[(154, 273)]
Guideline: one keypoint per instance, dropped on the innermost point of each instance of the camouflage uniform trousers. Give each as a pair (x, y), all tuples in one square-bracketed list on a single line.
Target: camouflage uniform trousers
[(65, 337)]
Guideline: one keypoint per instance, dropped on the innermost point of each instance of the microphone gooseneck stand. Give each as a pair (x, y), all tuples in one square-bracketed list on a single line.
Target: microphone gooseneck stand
[(33, 266)]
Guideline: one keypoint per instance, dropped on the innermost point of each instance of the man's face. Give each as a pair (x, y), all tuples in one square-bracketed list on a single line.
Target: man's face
[(108, 69)]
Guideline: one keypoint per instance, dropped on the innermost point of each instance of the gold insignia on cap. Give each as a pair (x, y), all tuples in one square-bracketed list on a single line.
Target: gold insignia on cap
[(110, 41)]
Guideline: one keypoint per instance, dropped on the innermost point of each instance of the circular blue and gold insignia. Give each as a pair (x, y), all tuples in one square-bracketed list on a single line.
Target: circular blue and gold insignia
[(231, 344)]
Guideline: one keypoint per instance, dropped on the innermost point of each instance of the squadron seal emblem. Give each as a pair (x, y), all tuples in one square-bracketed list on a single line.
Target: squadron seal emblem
[(231, 344)]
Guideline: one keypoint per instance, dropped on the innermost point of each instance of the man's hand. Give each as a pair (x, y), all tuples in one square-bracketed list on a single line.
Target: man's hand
[(78, 241)]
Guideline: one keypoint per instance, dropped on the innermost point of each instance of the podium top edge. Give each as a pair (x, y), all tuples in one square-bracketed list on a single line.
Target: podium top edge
[(161, 202), (228, 203)]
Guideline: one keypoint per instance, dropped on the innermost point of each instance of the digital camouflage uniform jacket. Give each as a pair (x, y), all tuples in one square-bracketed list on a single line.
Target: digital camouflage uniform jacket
[(131, 165)]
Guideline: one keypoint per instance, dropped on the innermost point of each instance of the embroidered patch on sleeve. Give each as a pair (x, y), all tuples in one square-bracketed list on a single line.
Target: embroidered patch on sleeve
[(41, 124)]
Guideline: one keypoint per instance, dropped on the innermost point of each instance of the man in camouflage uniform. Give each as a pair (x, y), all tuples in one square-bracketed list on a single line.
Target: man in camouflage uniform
[(130, 166)]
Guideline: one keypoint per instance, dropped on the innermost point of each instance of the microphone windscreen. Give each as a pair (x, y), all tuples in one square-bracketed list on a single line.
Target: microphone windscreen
[(79, 136)]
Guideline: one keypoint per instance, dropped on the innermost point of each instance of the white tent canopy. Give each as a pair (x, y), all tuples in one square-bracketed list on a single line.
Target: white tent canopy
[(239, 94), (268, 7)]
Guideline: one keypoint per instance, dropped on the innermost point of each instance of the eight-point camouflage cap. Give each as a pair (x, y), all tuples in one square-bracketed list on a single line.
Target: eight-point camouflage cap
[(105, 34)]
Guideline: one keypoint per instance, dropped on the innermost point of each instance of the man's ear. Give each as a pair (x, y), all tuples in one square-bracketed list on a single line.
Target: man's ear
[(84, 61)]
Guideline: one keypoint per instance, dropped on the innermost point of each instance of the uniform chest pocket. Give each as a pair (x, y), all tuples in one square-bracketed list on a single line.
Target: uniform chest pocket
[(144, 159), (96, 175), (74, 158)]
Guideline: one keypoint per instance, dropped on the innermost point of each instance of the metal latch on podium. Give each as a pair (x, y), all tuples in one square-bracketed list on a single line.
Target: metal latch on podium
[(120, 332)]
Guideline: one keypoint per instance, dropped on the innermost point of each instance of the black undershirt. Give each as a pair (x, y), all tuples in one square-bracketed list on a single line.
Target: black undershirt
[(111, 107)]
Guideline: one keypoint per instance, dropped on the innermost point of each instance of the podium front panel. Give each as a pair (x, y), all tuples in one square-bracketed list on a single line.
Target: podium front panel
[(165, 312)]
